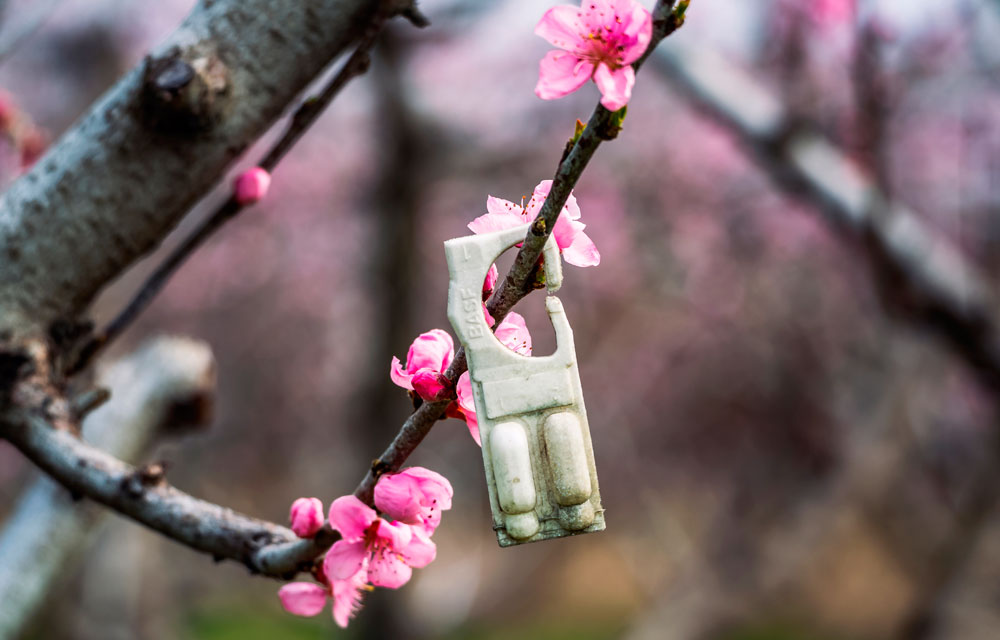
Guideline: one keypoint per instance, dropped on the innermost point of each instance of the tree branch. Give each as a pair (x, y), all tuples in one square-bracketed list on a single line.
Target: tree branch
[(162, 388), (304, 117), (109, 190)]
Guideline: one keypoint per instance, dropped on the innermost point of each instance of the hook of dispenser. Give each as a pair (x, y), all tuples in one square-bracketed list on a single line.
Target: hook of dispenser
[(469, 258)]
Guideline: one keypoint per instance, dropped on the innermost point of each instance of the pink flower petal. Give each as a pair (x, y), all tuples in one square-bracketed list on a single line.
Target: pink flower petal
[(467, 405), (351, 517), (394, 535), (562, 27), (387, 569), (434, 486), (513, 333), (490, 320), (501, 207), (421, 551), (429, 384), (596, 14), (490, 222), (306, 516), (571, 209), (472, 421), (344, 559), (415, 496), (566, 231), (615, 86), (302, 598), (399, 376), (490, 282), (347, 596), (433, 350), (637, 31), (398, 496), (583, 252), (561, 73)]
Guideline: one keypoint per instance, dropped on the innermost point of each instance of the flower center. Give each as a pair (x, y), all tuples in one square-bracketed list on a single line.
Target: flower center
[(371, 533)]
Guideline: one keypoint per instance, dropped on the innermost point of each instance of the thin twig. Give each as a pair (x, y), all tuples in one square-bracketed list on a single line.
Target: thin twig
[(304, 117)]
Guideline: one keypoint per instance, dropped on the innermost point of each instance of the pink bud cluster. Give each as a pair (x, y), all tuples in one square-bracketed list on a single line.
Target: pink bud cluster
[(373, 551)]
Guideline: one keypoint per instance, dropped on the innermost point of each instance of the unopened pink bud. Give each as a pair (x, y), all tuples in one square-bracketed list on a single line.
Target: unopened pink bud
[(251, 185), (306, 516), (429, 384)]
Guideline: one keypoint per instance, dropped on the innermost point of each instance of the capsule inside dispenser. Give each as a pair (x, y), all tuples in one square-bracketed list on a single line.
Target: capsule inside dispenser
[(567, 458), (515, 484)]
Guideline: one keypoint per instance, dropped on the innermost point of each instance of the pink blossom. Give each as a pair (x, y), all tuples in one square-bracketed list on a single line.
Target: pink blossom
[(251, 185), (576, 246), (467, 406), (429, 355), (390, 550), (829, 12), (308, 599), (416, 496), (513, 333), (306, 516), (430, 385), (490, 282), (599, 40)]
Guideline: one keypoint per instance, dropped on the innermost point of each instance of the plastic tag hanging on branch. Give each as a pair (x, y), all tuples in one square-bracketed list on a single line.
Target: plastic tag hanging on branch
[(536, 440)]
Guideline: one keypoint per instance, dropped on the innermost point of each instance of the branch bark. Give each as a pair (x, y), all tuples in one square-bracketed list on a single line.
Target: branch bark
[(110, 189), (156, 391), (304, 117)]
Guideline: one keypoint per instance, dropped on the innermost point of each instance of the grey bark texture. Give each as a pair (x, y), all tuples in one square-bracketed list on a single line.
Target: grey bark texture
[(112, 187), (47, 529)]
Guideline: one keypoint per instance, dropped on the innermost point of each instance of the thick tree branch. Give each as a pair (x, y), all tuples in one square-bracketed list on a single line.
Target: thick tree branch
[(264, 547), (110, 189), (304, 117), (164, 387), (90, 472)]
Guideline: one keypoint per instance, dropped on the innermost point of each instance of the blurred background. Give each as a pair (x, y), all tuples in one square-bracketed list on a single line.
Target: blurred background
[(781, 456)]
